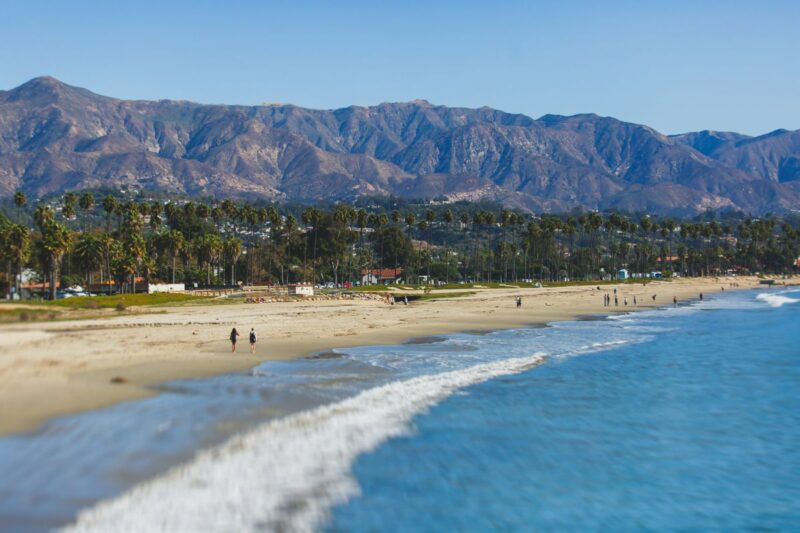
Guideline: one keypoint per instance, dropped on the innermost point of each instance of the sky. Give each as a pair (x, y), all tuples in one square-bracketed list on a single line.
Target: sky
[(676, 65)]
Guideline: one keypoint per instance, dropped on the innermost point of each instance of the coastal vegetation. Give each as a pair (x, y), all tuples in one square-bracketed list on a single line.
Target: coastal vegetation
[(111, 243)]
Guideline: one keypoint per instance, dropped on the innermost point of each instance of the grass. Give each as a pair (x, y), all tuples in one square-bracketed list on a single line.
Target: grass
[(21, 314), (122, 301), (426, 297)]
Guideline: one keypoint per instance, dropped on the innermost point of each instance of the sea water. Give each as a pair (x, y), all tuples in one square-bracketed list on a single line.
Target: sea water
[(697, 428), (681, 418)]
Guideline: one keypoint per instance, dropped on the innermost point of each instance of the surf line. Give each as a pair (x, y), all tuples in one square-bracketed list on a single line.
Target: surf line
[(287, 473)]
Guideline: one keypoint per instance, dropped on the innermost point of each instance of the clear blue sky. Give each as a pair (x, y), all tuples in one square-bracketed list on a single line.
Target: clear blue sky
[(675, 65)]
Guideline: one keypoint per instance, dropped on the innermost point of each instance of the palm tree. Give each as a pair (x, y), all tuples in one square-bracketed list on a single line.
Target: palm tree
[(70, 203), (112, 251), (208, 248), (410, 219), (110, 206), (175, 242), (54, 243), (43, 215), (447, 218), (363, 221), (17, 247), (19, 201), (134, 244), (156, 209), (86, 203), (233, 250), (310, 218), (90, 254)]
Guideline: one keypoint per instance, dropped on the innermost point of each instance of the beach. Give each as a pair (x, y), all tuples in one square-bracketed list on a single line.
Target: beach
[(51, 369)]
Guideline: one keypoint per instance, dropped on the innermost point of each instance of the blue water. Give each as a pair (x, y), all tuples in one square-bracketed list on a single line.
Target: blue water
[(697, 428), (684, 418)]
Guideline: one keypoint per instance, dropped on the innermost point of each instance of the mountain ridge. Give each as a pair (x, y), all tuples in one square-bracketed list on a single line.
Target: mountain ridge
[(56, 137)]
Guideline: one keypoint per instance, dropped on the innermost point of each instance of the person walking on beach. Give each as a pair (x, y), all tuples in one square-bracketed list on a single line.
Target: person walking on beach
[(616, 299), (253, 340), (654, 297), (234, 337), (675, 301), (519, 302), (634, 300), (405, 300), (701, 296), (625, 301)]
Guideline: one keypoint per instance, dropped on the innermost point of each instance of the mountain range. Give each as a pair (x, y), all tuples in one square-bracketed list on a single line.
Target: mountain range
[(55, 137)]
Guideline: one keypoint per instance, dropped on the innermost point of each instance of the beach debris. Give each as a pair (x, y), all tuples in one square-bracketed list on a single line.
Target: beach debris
[(118, 379)]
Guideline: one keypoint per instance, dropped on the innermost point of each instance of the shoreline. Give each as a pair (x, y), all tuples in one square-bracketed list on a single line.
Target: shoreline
[(49, 370)]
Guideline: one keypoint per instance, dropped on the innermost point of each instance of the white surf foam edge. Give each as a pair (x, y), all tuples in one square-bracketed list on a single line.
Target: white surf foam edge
[(286, 474), (776, 300)]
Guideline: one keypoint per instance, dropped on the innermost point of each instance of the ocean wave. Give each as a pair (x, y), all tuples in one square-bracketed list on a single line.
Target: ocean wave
[(287, 474), (776, 300)]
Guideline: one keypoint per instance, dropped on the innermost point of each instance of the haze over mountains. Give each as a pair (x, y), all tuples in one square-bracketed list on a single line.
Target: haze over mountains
[(55, 137)]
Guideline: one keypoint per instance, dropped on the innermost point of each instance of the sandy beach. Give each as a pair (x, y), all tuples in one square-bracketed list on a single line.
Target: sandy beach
[(50, 369)]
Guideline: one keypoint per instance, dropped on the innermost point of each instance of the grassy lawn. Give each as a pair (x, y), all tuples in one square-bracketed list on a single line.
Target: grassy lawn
[(21, 314), (426, 297), (127, 300)]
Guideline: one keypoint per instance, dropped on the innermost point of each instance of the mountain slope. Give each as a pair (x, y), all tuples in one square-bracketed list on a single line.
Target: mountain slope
[(55, 137)]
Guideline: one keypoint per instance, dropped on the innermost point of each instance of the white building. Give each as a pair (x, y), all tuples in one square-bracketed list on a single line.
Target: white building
[(301, 289)]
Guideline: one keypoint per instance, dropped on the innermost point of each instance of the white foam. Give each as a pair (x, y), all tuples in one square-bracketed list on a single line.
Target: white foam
[(286, 474), (776, 300)]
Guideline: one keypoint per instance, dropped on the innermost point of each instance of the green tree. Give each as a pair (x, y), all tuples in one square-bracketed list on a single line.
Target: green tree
[(54, 243), (233, 251), (19, 201), (15, 247), (90, 253), (86, 203)]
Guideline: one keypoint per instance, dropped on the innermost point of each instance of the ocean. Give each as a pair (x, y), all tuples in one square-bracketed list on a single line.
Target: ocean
[(682, 418)]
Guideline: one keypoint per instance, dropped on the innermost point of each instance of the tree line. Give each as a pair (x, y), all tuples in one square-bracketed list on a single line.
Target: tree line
[(88, 240)]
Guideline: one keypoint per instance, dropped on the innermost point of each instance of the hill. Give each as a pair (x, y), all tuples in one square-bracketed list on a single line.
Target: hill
[(55, 137)]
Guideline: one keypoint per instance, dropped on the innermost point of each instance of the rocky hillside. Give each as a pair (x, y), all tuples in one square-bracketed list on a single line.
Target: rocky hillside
[(55, 137)]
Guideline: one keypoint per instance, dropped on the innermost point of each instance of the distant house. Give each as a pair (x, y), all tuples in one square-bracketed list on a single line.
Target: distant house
[(380, 276), (622, 274), (301, 289), (165, 287)]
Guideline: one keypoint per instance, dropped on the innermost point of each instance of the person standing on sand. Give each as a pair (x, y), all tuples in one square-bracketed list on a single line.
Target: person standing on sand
[(234, 337), (701, 296), (634, 300), (675, 301), (625, 300), (654, 297), (253, 340)]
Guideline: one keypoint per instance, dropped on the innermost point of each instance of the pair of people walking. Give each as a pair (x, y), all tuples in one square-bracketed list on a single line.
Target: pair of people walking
[(235, 336)]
